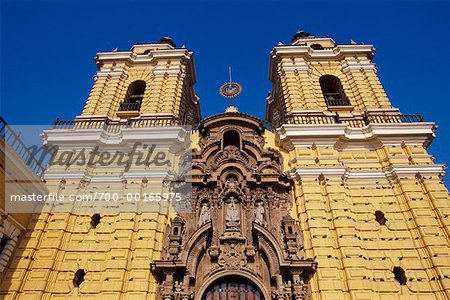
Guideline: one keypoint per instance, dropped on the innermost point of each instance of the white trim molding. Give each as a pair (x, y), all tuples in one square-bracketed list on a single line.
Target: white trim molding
[(352, 65), (346, 173), (341, 136)]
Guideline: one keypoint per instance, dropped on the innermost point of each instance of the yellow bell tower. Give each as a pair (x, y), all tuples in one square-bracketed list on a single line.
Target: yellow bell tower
[(89, 251), (313, 68), (149, 81), (370, 200)]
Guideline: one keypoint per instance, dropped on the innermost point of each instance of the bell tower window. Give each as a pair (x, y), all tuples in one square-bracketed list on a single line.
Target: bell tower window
[(134, 96), (333, 91), (231, 137)]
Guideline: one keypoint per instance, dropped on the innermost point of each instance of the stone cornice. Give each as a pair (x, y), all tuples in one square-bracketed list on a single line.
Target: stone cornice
[(4, 216), (17, 170), (316, 171), (51, 175), (379, 174), (342, 136), (129, 57), (352, 65), (402, 170), (115, 72), (301, 66), (335, 53), (84, 138)]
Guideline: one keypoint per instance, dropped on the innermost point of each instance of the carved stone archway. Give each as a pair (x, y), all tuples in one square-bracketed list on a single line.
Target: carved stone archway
[(251, 285), (239, 224)]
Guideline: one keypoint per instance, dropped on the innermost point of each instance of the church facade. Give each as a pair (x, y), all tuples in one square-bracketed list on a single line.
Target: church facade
[(332, 196)]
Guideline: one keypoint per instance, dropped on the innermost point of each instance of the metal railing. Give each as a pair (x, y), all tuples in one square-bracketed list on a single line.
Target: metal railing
[(336, 99), (155, 122), (305, 119), (19, 147), (362, 121), (379, 118), (130, 106), (80, 124), (355, 122), (111, 125)]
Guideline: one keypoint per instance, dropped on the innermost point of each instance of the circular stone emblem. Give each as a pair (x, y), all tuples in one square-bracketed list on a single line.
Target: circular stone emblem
[(230, 89)]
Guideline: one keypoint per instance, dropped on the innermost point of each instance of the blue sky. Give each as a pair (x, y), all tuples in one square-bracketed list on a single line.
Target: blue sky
[(47, 50)]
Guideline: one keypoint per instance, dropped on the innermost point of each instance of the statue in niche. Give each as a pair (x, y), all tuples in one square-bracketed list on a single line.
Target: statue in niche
[(259, 212), (204, 214), (232, 218)]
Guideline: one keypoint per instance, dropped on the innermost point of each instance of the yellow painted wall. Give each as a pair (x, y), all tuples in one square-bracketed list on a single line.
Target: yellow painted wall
[(355, 254)]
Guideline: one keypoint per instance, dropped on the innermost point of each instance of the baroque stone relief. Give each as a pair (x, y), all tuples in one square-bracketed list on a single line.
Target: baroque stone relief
[(239, 225)]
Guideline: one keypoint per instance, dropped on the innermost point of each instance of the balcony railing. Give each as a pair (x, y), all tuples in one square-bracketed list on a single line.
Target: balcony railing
[(395, 118), (130, 106), (354, 122), (299, 119), (14, 141), (336, 99), (111, 125)]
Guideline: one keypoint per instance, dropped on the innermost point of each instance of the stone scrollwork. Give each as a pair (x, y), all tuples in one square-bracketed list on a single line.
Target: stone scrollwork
[(230, 231), (232, 255)]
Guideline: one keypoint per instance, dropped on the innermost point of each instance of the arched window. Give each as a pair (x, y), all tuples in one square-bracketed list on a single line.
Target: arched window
[(231, 137), (333, 91), (134, 96)]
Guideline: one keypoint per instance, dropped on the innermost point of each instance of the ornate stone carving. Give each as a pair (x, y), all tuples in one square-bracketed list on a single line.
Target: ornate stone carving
[(229, 231), (175, 237), (232, 255)]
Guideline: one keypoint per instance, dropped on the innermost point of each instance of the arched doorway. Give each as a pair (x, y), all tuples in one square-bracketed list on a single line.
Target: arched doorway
[(232, 288)]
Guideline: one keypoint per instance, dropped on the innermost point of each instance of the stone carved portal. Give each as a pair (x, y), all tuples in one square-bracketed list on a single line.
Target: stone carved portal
[(239, 237), (233, 288)]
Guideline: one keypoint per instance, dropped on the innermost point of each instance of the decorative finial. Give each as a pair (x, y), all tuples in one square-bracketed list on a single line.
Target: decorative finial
[(300, 35), (166, 40), (229, 90)]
